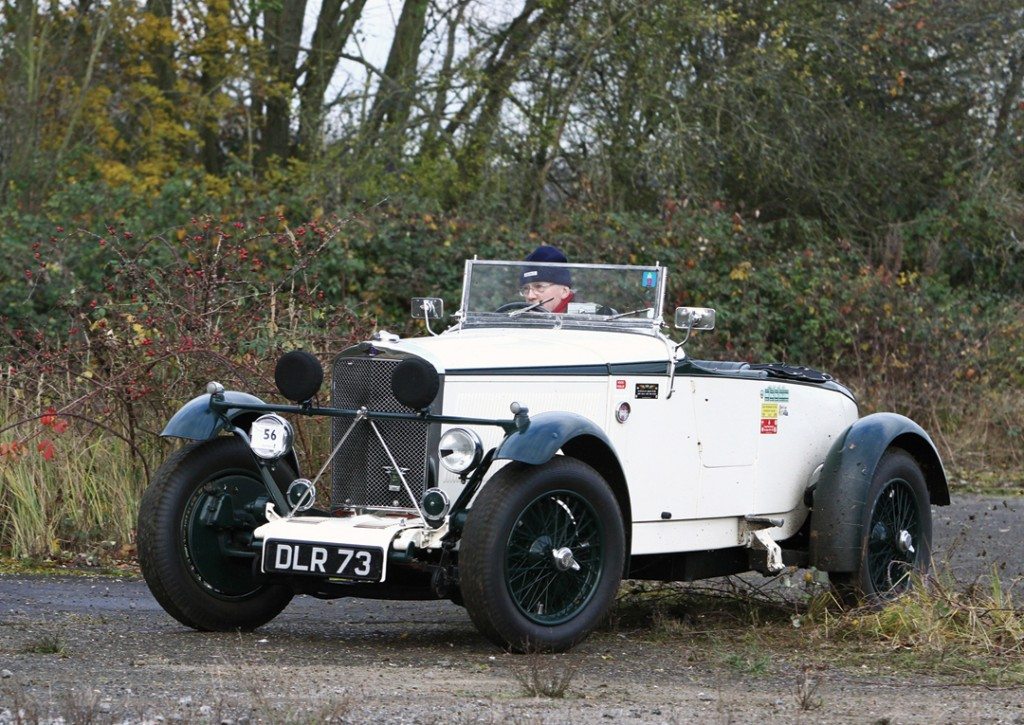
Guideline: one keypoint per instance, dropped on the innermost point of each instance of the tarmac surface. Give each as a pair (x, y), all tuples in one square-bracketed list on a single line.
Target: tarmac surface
[(91, 649)]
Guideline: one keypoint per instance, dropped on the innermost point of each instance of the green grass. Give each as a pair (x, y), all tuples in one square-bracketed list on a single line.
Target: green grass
[(48, 644), (749, 663)]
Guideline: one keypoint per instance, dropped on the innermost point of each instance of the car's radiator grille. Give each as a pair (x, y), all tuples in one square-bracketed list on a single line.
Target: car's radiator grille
[(362, 474)]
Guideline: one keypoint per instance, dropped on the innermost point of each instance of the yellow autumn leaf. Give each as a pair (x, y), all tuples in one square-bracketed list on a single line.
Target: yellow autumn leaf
[(741, 271)]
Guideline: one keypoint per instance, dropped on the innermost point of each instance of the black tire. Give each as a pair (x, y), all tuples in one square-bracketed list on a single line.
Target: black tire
[(180, 555), (517, 592), (896, 534)]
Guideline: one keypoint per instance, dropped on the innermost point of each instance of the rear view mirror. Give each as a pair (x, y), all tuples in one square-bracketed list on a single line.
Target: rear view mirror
[(694, 318), (428, 308)]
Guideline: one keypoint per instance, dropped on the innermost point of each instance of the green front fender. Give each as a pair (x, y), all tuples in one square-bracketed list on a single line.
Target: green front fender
[(546, 433), (195, 421)]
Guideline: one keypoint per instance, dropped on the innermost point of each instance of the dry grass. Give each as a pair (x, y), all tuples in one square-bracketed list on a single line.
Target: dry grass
[(806, 695), (973, 633), (77, 489), (545, 675), (48, 644), (83, 706), (75, 707), (936, 617), (978, 430)]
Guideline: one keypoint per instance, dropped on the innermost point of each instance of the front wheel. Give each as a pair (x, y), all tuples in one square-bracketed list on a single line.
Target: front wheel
[(194, 534), (542, 555), (896, 534)]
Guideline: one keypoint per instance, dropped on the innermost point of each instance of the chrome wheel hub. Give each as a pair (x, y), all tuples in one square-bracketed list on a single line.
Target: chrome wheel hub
[(564, 560), (905, 542)]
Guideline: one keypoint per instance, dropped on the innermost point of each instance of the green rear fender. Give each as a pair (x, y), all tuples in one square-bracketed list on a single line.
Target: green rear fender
[(841, 493), (196, 422), (545, 435)]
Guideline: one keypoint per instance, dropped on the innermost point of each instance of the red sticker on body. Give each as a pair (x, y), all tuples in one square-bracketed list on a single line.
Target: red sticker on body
[(620, 384), (769, 426)]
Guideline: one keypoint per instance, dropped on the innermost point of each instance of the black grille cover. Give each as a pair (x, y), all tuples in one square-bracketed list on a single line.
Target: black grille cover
[(362, 475)]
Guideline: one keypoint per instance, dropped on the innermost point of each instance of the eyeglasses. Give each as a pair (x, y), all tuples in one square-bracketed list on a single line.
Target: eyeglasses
[(537, 288)]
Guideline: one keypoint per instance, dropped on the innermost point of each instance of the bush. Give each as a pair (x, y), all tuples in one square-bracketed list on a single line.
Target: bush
[(113, 329)]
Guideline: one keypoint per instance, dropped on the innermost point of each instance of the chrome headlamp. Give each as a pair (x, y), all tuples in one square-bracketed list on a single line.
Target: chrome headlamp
[(270, 437), (460, 450)]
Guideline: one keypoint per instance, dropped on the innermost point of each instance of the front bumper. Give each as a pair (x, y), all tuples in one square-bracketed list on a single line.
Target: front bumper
[(396, 537)]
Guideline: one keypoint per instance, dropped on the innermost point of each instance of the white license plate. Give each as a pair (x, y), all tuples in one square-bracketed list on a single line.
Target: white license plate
[(324, 560)]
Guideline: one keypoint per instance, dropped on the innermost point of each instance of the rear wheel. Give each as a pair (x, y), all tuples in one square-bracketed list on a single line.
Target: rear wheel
[(542, 555), (194, 533), (896, 533)]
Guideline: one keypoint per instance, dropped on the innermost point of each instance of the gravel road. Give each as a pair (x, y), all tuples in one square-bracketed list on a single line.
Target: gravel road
[(120, 658)]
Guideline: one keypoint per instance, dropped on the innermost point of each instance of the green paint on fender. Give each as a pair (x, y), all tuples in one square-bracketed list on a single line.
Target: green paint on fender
[(546, 433), (195, 421)]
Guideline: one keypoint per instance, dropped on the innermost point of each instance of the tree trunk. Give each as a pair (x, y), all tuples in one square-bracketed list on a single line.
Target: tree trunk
[(390, 111), (1010, 98), (432, 134), (333, 29), (19, 118), (161, 54), (498, 76), (213, 51), (283, 34)]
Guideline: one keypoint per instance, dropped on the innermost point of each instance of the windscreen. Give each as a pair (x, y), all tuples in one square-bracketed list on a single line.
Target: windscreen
[(598, 295)]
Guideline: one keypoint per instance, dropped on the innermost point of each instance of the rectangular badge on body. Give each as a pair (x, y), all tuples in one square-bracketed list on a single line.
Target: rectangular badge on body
[(646, 390)]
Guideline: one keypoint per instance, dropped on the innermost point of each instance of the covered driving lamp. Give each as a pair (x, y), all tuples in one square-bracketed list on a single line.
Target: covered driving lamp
[(298, 375), (435, 506), (460, 450), (270, 437)]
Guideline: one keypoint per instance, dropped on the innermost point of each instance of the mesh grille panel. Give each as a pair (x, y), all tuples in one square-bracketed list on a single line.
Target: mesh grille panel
[(362, 472)]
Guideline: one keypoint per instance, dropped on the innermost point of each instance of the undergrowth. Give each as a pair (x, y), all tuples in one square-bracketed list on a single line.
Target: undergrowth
[(751, 627), (109, 333), (65, 490), (975, 632)]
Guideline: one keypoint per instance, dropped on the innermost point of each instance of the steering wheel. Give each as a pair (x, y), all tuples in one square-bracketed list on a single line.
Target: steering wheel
[(509, 306)]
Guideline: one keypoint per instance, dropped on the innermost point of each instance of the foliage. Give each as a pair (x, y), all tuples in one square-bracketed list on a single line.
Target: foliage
[(860, 116), (842, 181), (110, 332)]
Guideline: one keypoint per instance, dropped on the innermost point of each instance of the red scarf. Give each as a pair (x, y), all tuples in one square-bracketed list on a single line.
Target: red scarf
[(564, 304)]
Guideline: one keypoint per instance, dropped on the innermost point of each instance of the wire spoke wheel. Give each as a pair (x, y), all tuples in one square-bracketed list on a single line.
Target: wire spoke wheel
[(553, 557), (896, 533), (541, 556), (195, 528), (895, 526)]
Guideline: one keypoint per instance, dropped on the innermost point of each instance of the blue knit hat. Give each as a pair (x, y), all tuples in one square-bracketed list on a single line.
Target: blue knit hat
[(555, 275)]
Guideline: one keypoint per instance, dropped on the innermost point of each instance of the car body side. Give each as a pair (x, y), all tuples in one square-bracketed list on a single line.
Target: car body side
[(699, 451)]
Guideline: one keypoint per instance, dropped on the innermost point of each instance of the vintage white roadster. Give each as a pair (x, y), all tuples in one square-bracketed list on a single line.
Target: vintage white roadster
[(523, 462)]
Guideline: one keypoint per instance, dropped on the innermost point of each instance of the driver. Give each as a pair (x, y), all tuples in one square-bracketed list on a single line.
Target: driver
[(550, 286)]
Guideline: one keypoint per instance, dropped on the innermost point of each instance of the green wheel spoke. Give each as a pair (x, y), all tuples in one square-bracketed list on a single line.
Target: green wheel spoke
[(541, 586), (535, 590), (528, 574), (895, 512)]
